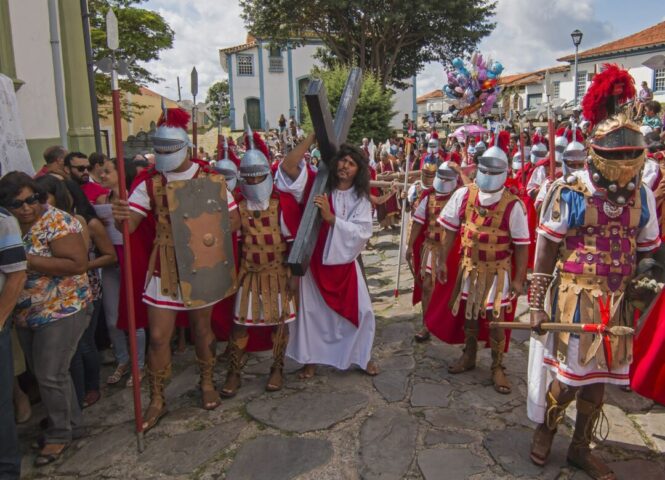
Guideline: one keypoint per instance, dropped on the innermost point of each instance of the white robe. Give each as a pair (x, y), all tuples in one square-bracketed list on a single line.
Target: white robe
[(319, 335)]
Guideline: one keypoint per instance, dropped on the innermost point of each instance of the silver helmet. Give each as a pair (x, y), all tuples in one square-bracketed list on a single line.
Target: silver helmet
[(560, 144), (492, 170), (227, 167), (480, 148), (255, 164), (433, 145), (170, 140), (574, 157), (445, 180), (538, 152), (517, 161)]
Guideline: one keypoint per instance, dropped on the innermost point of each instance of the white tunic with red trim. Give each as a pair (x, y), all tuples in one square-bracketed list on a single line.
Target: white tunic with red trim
[(139, 202), (452, 217), (320, 335), (570, 371)]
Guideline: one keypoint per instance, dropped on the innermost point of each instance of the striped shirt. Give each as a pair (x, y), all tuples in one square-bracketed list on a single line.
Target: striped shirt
[(12, 252)]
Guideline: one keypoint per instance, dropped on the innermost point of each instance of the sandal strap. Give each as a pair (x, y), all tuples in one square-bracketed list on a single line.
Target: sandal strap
[(157, 380), (280, 339)]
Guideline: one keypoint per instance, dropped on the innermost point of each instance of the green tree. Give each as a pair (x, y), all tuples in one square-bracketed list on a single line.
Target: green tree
[(143, 34), (218, 101), (391, 38), (375, 105)]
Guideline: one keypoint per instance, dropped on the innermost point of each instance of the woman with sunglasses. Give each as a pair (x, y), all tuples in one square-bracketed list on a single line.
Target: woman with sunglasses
[(51, 312), (69, 197)]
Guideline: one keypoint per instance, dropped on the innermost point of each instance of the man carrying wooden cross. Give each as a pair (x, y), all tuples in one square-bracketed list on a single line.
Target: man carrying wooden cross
[(335, 323)]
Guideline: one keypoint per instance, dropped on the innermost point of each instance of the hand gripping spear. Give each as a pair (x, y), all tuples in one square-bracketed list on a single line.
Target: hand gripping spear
[(113, 43)]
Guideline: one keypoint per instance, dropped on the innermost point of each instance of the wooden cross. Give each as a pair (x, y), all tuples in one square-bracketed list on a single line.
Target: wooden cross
[(329, 135)]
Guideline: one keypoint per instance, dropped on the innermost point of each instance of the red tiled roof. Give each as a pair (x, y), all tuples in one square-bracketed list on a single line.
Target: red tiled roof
[(649, 37), (429, 95), (239, 48), (528, 78)]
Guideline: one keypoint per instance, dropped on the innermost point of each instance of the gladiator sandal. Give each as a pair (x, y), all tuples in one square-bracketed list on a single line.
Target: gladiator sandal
[(544, 434), (157, 408), (209, 396), (468, 359), (280, 339), (590, 420), (236, 356), (499, 378)]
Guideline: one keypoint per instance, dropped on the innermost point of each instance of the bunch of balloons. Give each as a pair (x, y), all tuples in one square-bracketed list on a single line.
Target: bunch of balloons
[(474, 85)]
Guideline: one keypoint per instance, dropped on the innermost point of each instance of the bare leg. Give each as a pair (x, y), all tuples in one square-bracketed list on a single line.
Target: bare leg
[(162, 323), (498, 344), (205, 345), (423, 335), (237, 346)]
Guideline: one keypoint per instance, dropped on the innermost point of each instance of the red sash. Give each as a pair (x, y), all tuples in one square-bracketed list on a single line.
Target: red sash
[(338, 284)]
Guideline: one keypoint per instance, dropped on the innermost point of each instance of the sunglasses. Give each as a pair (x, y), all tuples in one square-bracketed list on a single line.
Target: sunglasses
[(31, 200), (82, 168)]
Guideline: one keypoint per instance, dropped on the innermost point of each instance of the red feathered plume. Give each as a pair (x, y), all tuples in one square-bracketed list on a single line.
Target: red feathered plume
[(231, 153), (435, 135), (569, 134), (177, 117), (259, 144), (537, 138), (610, 84), (504, 140)]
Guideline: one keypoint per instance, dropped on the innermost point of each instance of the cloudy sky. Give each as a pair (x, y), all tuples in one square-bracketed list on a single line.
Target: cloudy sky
[(530, 34)]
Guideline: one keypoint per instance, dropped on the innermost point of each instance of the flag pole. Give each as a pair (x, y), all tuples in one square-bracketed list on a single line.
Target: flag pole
[(113, 43)]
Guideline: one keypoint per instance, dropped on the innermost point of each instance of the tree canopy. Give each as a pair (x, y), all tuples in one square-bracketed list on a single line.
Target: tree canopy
[(373, 112), (143, 35), (217, 100), (391, 38)]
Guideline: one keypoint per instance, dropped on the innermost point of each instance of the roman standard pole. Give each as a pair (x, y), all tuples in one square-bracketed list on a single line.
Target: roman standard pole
[(195, 90), (113, 44), (220, 141), (401, 234), (550, 126)]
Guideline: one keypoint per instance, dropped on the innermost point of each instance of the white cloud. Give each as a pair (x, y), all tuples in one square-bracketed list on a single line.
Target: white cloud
[(201, 29), (532, 34), (529, 35)]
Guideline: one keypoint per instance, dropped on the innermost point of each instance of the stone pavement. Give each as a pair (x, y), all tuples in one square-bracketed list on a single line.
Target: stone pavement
[(413, 421)]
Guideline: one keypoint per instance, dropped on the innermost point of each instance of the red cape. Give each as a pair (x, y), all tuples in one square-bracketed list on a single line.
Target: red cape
[(417, 249), (141, 242), (516, 187), (647, 372)]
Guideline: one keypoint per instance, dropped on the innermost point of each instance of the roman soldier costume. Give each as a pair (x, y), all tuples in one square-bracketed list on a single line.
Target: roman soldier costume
[(165, 288), (594, 226), (269, 221), (493, 225), (425, 226)]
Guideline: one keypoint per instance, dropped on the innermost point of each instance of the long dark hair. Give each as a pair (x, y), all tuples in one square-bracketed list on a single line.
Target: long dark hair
[(130, 171), (362, 178), (56, 187), (80, 203)]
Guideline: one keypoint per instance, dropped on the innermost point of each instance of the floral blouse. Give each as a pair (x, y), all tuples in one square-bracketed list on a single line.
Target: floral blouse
[(46, 298)]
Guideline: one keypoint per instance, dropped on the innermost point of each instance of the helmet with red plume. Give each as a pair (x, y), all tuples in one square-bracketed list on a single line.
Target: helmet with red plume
[(170, 140)]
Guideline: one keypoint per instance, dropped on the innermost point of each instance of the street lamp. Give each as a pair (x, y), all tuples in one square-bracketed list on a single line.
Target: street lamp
[(577, 39)]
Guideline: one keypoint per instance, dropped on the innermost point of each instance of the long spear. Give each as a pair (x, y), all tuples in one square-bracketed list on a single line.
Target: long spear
[(522, 141), (550, 126), (595, 328), (113, 43), (401, 233), (195, 91)]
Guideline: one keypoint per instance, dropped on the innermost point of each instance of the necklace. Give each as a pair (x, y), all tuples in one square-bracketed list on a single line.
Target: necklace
[(612, 211)]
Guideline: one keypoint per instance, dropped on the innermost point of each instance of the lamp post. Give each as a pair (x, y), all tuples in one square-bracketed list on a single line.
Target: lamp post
[(577, 39)]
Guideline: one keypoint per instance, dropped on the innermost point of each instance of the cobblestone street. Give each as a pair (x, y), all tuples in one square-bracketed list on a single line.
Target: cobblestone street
[(412, 421)]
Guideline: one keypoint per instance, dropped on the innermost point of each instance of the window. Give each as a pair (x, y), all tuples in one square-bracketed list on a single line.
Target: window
[(534, 99), (245, 65), (659, 80), (275, 61), (556, 89), (581, 84)]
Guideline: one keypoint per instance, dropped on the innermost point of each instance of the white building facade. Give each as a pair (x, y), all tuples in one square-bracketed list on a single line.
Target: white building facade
[(266, 82)]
